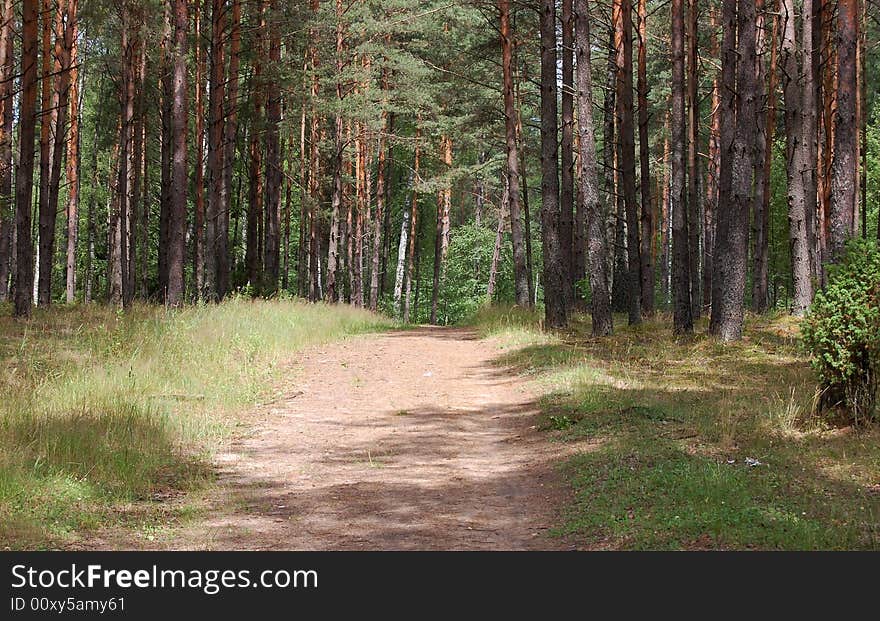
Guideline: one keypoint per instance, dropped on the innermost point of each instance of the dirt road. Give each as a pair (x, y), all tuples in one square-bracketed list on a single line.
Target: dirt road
[(404, 440)]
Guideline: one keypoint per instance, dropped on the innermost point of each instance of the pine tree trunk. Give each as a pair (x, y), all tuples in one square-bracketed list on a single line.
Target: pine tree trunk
[(596, 243), (230, 133), (441, 238), (763, 160), (24, 179), (681, 291), (165, 173), (647, 219), (177, 223), (272, 244), (627, 172), (844, 179), (796, 160), (555, 280), (413, 230), (7, 114), (567, 194), (694, 194), (48, 114), (216, 125), (72, 171), (334, 287), (198, 255), (732, 235), (520, 267)]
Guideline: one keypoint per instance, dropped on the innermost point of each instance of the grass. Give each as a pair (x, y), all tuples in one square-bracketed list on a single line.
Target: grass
[(666, 431), (103, 413)]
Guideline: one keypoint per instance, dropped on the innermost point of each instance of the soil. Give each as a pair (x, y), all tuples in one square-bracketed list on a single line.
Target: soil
[(408, 440)]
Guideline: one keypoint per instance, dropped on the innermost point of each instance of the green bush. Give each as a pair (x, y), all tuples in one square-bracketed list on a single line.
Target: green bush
[(842, 332)]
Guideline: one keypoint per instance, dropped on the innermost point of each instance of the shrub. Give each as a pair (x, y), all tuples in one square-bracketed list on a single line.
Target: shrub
[(842, 331)]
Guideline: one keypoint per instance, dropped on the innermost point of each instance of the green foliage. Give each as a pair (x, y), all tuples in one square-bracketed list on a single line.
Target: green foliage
[(467, 272), (842, 330)]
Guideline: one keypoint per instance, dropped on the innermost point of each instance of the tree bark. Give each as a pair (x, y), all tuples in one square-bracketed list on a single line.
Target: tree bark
[(844, 179), (682, 317), (627, 172), (796, 163), (694, 195), (198, 255), (216, 198), (732, 236), (177, 224), (555, 281), (596, 243), (567, 194), (647, 220), (24, 179), (7, 115), (72, 171), (272, 245), (520, 268)]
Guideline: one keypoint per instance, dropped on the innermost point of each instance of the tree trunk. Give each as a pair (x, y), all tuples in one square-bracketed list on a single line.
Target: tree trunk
[(177, 224), (216, 199), (732, 236), (796, 162), (844, 179), (165, 173), (646, 254), (272, 245), (627, 172), (72, 172), (441, 239), (763, 161), (682, 318), (694, 195), (198, 255), (413, 230), (520, 268), (24, 179), (48, 114), (7, 115), (596, 245), (334, 287), (555, 281), (378, 241), (567, 195), (230, 133)]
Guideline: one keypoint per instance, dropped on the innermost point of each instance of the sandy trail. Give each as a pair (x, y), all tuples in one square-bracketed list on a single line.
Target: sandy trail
[(405, 440)]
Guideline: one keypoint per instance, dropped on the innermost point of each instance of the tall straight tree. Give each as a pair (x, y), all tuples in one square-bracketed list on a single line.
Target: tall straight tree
[(179, 112), (198, 254), (732, 236), (796, 163), (520, 267), (216, 198), (334, 284), (555, 283), (230, 132), (694, 195), (844, 175), (24, 179), (272, 244), (72, 170), (683, 322), (596, 242), (647, 220), (7, 70), (627, 172), (566, 197)]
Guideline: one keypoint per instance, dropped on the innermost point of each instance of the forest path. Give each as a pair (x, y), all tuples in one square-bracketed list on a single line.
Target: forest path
[(411, 439)]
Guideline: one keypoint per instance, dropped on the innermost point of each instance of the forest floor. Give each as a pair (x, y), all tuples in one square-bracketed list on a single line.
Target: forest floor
[(412, 439)]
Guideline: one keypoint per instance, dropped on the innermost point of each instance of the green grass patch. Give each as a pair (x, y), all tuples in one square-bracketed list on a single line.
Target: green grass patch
[(667, 430), (101, 410)]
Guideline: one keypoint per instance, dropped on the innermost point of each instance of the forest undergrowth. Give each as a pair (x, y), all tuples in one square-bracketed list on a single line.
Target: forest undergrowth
[(690, 443)]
